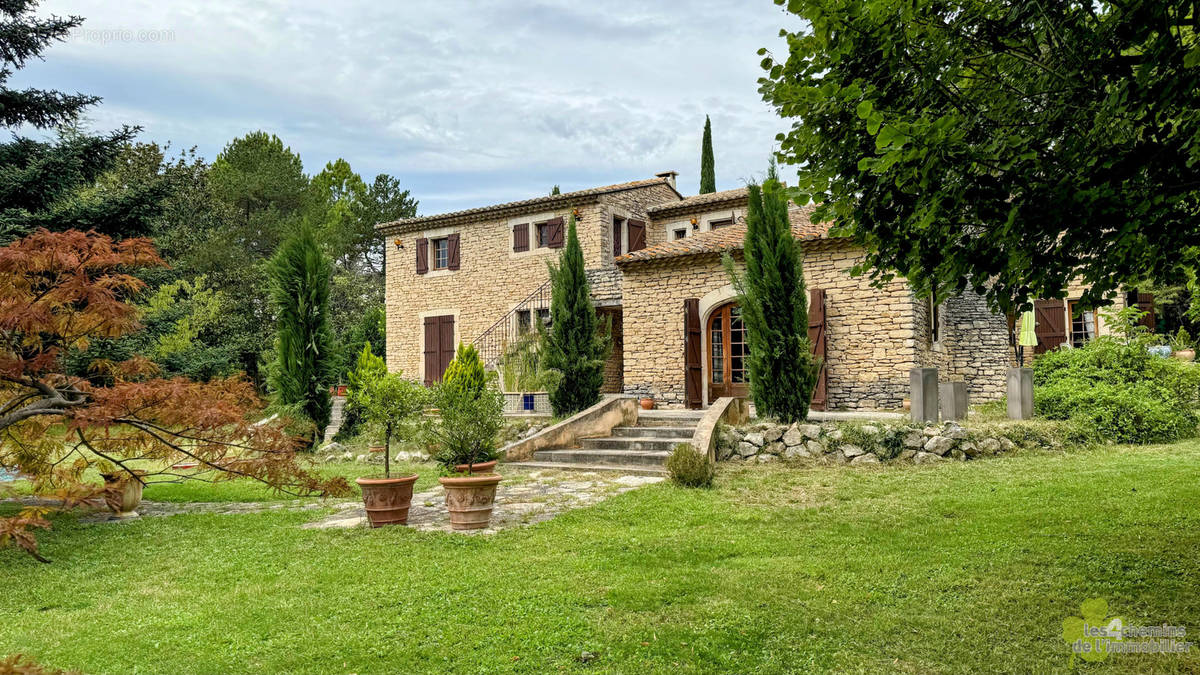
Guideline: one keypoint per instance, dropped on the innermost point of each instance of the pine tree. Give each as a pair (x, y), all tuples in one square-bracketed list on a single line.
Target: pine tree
[(708, 176), (304, 357), (41, 182), (465, 372), (555, 191), (574, 346), (774, 305)]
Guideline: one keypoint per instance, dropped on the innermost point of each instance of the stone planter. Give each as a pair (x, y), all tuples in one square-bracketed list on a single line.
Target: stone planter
[(387, 500), (123, 494), (469, 499), (1185, 354)]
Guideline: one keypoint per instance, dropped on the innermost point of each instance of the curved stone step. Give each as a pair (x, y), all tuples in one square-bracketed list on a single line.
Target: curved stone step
[(593, 457), (635, 470), (653, 432), (663, 445)]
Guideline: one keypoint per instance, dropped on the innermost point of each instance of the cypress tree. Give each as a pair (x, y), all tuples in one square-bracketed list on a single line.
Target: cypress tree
[(574, 347), (774, 306), (304, 356), (708, 176)]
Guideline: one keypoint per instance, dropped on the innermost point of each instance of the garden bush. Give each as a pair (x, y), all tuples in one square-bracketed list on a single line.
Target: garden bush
[(689, 468), (1120, 391)]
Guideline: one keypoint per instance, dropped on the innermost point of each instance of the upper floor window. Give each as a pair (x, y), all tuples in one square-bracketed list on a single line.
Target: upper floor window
[(441, 253), (544, 234), (628, 235), (438, 253), (717, 224), (680, 233)]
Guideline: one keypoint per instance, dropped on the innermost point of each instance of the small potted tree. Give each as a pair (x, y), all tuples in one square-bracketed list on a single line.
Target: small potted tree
[(471, 413), (1182, 346), (389, 403)]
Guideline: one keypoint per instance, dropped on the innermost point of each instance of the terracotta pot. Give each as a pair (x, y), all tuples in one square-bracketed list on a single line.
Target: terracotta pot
[(1185, 354), (477, 467), (647, 403), (469, 500), (123, 494), (387, 499), (342, 389), (906, 404)]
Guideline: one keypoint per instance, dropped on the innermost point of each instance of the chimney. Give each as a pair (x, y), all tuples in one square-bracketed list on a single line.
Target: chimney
[(669, 175)]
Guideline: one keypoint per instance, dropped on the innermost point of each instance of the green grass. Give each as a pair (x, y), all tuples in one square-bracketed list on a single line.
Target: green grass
[(246, 490), (951, 568)]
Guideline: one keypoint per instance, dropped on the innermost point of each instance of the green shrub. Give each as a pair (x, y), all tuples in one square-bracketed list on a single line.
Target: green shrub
[(1116, 390), (689, 468), (470, 413)]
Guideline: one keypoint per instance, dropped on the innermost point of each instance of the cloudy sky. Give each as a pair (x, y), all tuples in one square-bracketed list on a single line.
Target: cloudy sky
[(467, 102)]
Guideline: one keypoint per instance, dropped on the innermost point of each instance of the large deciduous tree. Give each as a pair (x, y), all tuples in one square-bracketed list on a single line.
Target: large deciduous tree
[(304, 356), (574, 345), (1010, 147), (773, 302), (58, 293)]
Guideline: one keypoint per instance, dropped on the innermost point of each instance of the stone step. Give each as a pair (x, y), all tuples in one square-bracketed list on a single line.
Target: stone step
[(598, 457), (654, 432), (643, 470), (663, 445), (669, 418)]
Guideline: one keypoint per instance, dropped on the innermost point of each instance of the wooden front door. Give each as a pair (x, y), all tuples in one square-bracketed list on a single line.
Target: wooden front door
[(725, 338), (439, 347)]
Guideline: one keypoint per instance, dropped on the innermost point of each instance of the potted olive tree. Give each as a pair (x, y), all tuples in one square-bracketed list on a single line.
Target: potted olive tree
[(471, 414), (389, 403), (1182, 346)]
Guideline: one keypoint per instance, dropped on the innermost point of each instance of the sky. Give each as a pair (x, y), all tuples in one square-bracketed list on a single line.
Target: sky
[(468, 103)]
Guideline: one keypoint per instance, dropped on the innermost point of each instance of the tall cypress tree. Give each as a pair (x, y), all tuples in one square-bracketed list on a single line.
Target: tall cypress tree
[(573, 346), (304, 356), (708, 176), (774, 306)]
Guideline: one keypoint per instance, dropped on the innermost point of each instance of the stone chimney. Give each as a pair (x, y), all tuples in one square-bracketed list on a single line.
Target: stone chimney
[(669, 175)]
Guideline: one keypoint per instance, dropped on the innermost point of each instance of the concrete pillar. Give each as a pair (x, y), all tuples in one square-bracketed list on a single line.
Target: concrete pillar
[(924, 385), (1020, 393), (952, 397)]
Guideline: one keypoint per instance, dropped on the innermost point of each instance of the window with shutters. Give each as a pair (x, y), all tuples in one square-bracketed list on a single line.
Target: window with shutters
[(543, 235), (628, 235)]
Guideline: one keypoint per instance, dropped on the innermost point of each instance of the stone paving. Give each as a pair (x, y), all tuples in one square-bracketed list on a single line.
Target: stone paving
[(524, 497)]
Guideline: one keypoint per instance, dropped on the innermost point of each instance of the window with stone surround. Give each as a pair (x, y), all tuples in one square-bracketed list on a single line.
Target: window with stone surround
[(440, 252), (1084, 324), (680, 233), (718, 224)]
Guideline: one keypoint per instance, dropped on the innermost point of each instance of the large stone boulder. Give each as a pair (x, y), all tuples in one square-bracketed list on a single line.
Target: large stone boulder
[(764, 458), (815, 448), (926, 458), (756, 439), (989, 445), (851, 451), (914, 439), (868, 458), (793, 436), (745, 449), (776, 448), (796, 452), (810, 431), (772, 433)]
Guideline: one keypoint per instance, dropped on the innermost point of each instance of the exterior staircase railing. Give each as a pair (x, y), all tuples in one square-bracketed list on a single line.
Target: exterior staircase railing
[(494, 341)]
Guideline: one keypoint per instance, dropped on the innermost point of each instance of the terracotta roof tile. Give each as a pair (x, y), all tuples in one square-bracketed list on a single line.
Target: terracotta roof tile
[(724, 239), (697, 202), (548, 200)]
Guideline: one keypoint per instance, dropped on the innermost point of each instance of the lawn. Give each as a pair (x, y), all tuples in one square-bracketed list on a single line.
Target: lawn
[(950, 568)]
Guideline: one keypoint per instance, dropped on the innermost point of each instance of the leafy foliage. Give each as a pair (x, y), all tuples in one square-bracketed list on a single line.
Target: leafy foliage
[(368, 367), (59, 292), (774, 306), (391, 403), (470, 413), (573, 346), (708, 176), (1116, 387), (1011, 147), (689, 468), (304, 356)]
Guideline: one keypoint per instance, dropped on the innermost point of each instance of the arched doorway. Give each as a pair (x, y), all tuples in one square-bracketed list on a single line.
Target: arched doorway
[(726, 349)]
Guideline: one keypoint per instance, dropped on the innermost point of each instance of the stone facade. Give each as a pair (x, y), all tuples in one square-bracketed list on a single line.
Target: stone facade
[(971, 344), (492, 279), (870, 336)]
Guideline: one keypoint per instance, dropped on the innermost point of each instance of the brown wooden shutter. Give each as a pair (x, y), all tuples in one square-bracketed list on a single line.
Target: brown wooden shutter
[(521, 238), (432, 343), (616, 232), (422, 256), (637, 235), (447, 344), (816, 336), (555, 235), (1144, 302), (452, 252), (1050, 324), (692, 354)]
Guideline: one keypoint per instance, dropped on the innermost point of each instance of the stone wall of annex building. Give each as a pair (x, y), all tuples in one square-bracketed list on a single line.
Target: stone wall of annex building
[(870, 336)]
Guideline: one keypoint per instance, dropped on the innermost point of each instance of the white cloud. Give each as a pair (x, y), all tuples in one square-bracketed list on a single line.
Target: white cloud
[(462, 100)]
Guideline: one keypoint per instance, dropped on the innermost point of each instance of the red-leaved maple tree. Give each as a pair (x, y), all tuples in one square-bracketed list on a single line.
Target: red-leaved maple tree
[(58, 293)]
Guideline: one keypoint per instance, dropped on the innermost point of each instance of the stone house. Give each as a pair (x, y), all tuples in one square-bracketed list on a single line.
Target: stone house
[(654, 261)]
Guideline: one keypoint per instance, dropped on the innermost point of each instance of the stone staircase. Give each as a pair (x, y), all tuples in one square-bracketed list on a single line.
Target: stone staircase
[(335, 417), (641, 449)]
